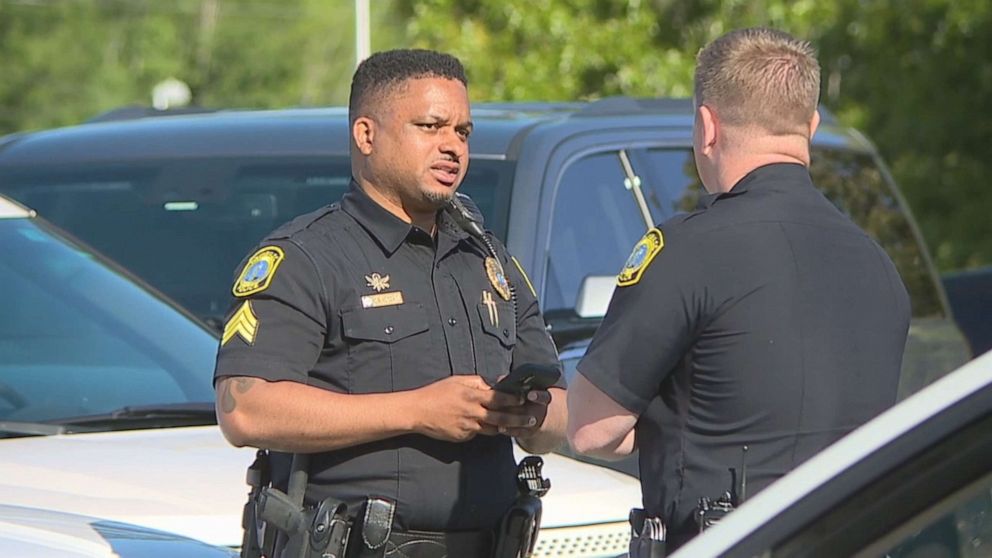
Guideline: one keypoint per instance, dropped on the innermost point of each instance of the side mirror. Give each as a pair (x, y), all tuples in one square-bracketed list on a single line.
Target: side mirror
[(594, 295)]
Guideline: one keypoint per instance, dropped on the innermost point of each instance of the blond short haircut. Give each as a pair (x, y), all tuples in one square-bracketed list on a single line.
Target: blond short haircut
[(759, 77)]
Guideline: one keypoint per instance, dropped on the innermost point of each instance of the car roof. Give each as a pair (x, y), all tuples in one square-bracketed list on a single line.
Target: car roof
[(138, 134), (944, 406)]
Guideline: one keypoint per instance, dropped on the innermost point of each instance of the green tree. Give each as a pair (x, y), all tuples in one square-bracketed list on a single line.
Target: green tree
[(63, 61), (913, 74)]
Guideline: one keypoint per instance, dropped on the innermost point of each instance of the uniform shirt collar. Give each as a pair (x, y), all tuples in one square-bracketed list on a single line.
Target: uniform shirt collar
[(387, 229), (764, 177)]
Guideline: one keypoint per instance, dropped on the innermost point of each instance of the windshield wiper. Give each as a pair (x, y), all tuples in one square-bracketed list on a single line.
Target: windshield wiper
[(172, 414)]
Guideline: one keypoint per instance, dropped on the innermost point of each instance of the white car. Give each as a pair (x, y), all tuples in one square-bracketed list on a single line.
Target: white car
[(106, 408), (35, 533), (914, 482)]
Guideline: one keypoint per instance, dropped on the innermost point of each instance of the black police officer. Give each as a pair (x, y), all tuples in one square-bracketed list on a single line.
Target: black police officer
[(764, 319), (368, 333)]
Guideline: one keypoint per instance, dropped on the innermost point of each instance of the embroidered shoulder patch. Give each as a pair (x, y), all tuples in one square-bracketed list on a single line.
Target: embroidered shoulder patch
[(644, 251), (258, 272)]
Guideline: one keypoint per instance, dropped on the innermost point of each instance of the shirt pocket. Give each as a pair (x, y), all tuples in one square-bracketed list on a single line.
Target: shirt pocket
[(499, 336), (388, 348)]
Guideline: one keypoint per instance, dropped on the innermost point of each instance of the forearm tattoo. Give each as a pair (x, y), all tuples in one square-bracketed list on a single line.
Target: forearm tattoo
[(228, 402)]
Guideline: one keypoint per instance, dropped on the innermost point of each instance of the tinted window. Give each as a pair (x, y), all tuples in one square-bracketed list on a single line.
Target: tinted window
[(595, 224), (184, 226), (960, 527), (852, 181), (77, 338), (856, 185)]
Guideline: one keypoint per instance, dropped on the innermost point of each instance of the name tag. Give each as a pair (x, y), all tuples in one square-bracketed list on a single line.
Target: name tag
[(382, 299)]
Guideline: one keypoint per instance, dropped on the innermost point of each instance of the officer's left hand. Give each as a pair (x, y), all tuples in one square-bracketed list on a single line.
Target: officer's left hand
[(533, 406)]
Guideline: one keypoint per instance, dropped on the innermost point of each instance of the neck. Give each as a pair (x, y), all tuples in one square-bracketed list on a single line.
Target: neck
[(423, 219), (752, 152)]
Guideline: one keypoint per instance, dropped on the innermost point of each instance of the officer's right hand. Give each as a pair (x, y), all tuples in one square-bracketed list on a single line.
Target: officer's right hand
[(457, 408)]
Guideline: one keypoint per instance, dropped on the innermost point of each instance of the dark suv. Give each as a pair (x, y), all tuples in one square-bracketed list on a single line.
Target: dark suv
[(570, 187)]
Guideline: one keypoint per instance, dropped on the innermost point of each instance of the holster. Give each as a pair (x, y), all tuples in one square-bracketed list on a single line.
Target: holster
[(517, 533), (518, 529), (253, 541)]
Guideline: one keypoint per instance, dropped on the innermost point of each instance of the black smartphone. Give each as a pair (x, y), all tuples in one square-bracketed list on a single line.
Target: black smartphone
[(528, 376)]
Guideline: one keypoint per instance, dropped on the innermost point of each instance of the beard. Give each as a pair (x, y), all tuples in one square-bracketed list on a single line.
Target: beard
[(438, 198)]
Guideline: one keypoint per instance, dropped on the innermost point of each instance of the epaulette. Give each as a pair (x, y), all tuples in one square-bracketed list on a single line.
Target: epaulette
[(303, 222)]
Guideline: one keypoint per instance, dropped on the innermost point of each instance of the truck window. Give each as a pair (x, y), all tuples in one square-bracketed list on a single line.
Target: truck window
[(595, 224)]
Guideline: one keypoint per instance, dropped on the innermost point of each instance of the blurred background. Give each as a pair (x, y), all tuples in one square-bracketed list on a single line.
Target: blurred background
[(914, 75)]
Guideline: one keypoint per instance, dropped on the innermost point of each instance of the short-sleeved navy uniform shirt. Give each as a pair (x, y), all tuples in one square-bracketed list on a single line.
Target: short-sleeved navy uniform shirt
[(766, 319), (354, 300)]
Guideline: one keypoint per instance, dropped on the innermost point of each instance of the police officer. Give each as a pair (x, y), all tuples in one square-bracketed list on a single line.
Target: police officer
[(368, 333), (765, 319)]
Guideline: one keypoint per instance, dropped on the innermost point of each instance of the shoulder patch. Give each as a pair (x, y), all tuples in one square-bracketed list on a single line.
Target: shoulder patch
[(259, 271), (644, 251)]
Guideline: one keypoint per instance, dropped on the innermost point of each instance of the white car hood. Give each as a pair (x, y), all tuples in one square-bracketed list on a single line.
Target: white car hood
[(190, 481)]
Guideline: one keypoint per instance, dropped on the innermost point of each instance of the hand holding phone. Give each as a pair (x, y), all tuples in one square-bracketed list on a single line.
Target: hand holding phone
[(528, 376)]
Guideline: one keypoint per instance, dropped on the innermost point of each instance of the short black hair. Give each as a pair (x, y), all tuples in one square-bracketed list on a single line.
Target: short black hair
[(380, 73)]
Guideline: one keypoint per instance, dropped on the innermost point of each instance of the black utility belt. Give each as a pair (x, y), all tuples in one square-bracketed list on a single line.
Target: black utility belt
[(330, 531)]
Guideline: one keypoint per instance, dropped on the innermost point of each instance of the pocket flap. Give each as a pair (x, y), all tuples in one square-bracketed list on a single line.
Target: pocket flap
[(499, 321), (386, 324)]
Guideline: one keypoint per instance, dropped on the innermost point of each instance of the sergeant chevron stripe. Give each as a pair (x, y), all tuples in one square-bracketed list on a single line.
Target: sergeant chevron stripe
[(243, 323)]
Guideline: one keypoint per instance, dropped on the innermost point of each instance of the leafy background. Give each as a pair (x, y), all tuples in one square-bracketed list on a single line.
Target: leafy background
[(914, 75)]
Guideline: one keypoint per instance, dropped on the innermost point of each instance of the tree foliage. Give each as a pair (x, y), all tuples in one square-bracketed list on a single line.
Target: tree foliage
[(915, 75), (62, 61)]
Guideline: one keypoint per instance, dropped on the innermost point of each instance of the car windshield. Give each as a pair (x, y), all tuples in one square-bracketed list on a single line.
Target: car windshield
[(80, 338), (184, 225)]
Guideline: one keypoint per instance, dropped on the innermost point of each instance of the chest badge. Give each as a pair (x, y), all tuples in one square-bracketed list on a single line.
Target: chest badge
[(496, 276), (377, 282)]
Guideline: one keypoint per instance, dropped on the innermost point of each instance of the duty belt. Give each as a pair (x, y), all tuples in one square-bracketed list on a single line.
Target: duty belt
[(277, 524)]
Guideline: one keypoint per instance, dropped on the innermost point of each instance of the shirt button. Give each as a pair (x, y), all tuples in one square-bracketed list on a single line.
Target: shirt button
[(506, 333), (452, 322), (388, 330)]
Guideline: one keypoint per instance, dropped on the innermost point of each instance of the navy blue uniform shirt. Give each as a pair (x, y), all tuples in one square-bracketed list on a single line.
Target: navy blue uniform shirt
[(354, 300), (765, 319)]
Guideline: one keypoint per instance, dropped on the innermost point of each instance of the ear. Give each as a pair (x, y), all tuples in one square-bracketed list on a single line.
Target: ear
[(709, 128), (814, 123), (362, 133)]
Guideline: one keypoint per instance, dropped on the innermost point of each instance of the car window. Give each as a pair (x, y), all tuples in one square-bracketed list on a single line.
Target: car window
[(595, 223), (78, 338), (856, 185), (852, 181), (959, 527), (184, 226)]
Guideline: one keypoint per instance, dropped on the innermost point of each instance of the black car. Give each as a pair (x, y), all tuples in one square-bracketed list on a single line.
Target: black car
[(569, 187)]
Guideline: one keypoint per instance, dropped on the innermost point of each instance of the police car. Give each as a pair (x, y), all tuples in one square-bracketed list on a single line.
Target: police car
[(35, 533), (916, 481), (106, 409)]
